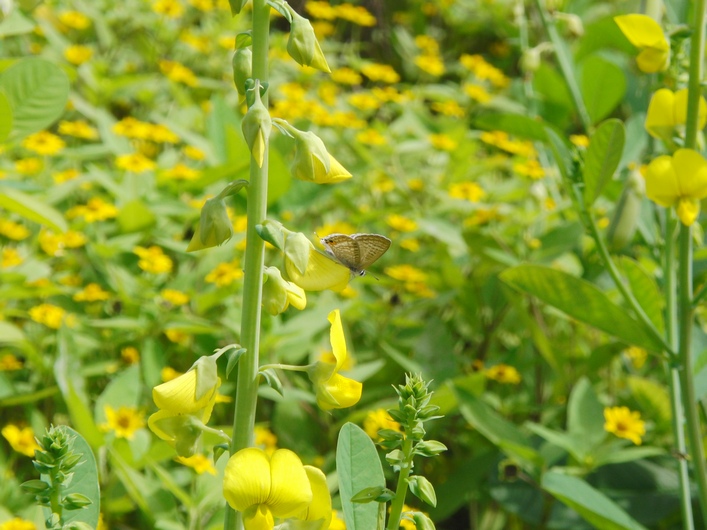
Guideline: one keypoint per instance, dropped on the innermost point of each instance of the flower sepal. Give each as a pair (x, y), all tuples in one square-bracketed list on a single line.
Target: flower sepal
[(303, 45), (257, 125), (278, 293)]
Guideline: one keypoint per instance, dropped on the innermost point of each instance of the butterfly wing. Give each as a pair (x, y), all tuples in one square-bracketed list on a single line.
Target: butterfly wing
[(344, 249), (370, 248)]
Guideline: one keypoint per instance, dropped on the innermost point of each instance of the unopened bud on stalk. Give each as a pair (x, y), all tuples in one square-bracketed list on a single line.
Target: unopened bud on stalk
[(303, 46), (242, 68), (257, 126), (215, 228), (628, 210)]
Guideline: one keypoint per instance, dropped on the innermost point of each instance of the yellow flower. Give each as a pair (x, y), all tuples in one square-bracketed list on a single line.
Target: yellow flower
[(344, 75), (78, 54), (406, 273), (333, 390), (18, 524), (624, 423), (20, 439), (168, 373), (162, 134), (199, 463), (278, 293), (13, 230), (307, 164), (54, 244), (380, 72), (503, 373), (668, 110), (337, 523), (476, 92), (442, 142), (680, 181), (401, 223), (153, 259), (468, 191), (132, 128), (426, 44), (91, 293), (529, 168), (168, 8), (637, 356), (124, 421), (178, 73), (646, 35), (364, 101), (9, 363), (95, 210), (64, 176), (50, 315), (318, 272), (181, 171), (449, 108), (225, 274), (43, 143), (175, 297), (74, 19), (377, 420), (580, 140), (28, 166), (356, 14), (322, 10), (130, 355), (432, 64), (371, 137), (136, 162), (320, 507), (10, 257), (194, 153), (265, 439)]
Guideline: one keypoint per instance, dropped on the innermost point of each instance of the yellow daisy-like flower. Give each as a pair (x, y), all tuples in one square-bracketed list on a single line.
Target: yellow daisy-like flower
[(78, 54), (199, 463), (477, 93), (380, 72), (50, 315), (18, 524), (668, 110), (646, 35), (43, 143), (225, 274), (503, 373), (401, 223), (91, 293), (28, 166), (153, 260), (624, 423), (124, 421), (468, 191), (168, 8), (406, 273), (357, 14), (13, 230), (344, 75), (74, 19), (21, 439), (265, 439), (377, 420), (432, 64), (162, 134), (135, 162), (449, 108), (96, 209), (333, 390), (178, 73), (679, 180), (132, 128), (78, 129), (10, 363), (130, 355), (442, 142), (175, 297), (579, 140)]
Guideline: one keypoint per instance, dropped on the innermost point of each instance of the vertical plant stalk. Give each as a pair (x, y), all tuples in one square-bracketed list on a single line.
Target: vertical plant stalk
[(401, 490), (673, 370), (685, 306), (247, 383)]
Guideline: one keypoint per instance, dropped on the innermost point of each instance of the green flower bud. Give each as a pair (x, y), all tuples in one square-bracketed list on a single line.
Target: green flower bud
[(237, 6), (313, 162), (422, 489), (242, 68), (278, 293), (215, 228), (624, 222), (257, 126), (530, 60), (303, 46)]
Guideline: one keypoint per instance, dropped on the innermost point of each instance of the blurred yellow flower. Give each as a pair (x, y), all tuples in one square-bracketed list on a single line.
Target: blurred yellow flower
[(91, 293), (380, 72), (646, 35), (193, 152), (364, 101), (427, 44), (18, 524), (153, 259), (416, 184), (50, 315), (168, 8), (442, 142), (43, 143), (124, 421), (411, 244), (448, 108), (168, 373), (175, 297), (225, 274), (64, 176), (624, 423), (78, 54), (265, 439), (21, 439), (161, 134), (203, 5), (371, 137), (530, 168), (28, 166), (345, 75), (135, 162), (580, 140), (74, 19), (54, 244), (356, 14), (78, 129), (199, 463), (132, 128), (468, 191), (178, 73), (668, 110), (322, 10), (377, 420), (406, 273), (503, 373), (9, 363), (181, 171), (477, 92), (637, 356), (96, 209), (13, 230), (432, 64), (130, 355), (401, 223)]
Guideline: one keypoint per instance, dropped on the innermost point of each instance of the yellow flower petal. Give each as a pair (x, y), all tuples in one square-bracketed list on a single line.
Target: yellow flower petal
[(321, 273), (339, 392), (688, 210), (290, 492), (646, 35), (320, 507), (258, 517), (337, 338), (661, 118), (691, 168), (246, 480), (662, 181), (179, 395)]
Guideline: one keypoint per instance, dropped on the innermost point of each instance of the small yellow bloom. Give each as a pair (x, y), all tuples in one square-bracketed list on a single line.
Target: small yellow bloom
[(580, 140), (194, 153), (50, 315), (153, 260), (74, 20), (65, 176), (43, 143), (432, 64), (646, 35), (225, 274), (265, 439), (124, 421), (344, 75), (377, 420), (178, 73), (10, 363), (168, 8), (13, 230), (356, 14), (78, 54), (95, 210), (130, 355), (401, 223), (10, 257), (637, 356), (371, 137), (333, 390), (168, 373), (468, 191), (680, 181), (91, 293), (18, 524), (449, 108), (20, 439), (199, 463), (278, 293), (364, 101), (162, 134), (624, 423), (406, 273), (668, 110), (442, 142), (78, 129), (322, 10), (175, 297), (28, 166), (380, 72), (181, 171), (529, 168), (132, 128), (503, 373), (135, 162), (477, 92)]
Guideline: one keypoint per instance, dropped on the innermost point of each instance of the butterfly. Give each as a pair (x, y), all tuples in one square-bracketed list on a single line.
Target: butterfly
[(358, 251)]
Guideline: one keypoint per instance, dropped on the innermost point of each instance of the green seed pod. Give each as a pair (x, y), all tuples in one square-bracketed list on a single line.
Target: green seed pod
[(242, 68), (625, 220)]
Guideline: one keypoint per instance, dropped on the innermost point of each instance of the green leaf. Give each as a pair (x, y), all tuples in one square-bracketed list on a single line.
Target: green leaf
[(581, 300), (10, 333), (272, 380), (595, 507), (603, 157), (5, 117), (84, 484), (585, 414), (38, 91), (32, 209), (15, 24), (123, 391), (135, 216), (603, 86), (359, 467), (514, 124), (645, 290)]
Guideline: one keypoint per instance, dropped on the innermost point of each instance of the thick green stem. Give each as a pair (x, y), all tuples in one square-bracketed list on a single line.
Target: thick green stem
[(247, 383), (401, 490), (673, 370)]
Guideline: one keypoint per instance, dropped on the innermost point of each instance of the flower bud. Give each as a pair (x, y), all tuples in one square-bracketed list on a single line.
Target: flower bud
[(628, 210), (530, 60), (313, 163), (303, 46), (242, 68), (257, 126), (278, 293), (214, 229)]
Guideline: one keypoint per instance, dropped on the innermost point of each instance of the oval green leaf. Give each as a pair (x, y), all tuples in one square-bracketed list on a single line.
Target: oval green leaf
[(603, 86), (32, 209), (603, 157)]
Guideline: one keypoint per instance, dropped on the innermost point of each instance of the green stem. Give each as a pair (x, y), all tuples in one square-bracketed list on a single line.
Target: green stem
[(694, 88), (401, 490), (673, 370), (247, 383), (565, 62), (289, 367)]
